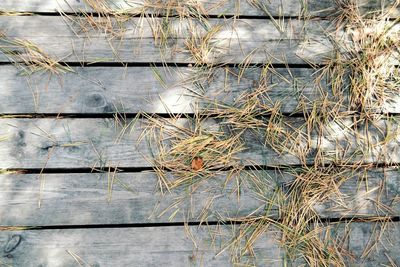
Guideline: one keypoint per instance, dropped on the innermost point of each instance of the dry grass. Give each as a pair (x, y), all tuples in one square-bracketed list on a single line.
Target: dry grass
[(14, 13), (364, 68), (29, 57), (340, 127), (14, 228), (167, 20), (189, 150), (339, 136), (105, 19), (291, 211)]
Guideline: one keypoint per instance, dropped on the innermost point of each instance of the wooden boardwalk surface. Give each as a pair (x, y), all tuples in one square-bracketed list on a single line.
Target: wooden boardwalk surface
[(78, 186)]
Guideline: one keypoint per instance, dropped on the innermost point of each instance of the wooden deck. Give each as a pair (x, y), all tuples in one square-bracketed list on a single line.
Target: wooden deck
[(62, 204)]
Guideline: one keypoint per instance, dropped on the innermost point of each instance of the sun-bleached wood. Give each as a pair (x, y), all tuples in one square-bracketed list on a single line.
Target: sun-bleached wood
[(89, 199), (179, 246), (87, 143), (145, 89), (159, 90), (256, 41)]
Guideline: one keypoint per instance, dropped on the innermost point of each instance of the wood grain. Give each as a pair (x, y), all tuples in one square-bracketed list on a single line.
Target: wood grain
[(146, 89), (167, 246), (297, 42), (87, 198), (87, 143), (158, 90), (108, 90)]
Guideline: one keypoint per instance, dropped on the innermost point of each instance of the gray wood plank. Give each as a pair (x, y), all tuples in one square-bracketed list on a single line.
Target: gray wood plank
[(86, 199), (139, 89), (157, 90), (174, 246), (134, 198), (213, 7), (299, 41), (74, 143), (383, 240), (157, 246)]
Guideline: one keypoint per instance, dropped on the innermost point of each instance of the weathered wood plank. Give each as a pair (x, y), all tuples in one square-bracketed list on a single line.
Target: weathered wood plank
[(364, 236), (157, 90), (219, 41), (212, 7), (160, 246), (134, 198), (297, 41), (109, 90), (74, 143), (174, 246), (85, 199)]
